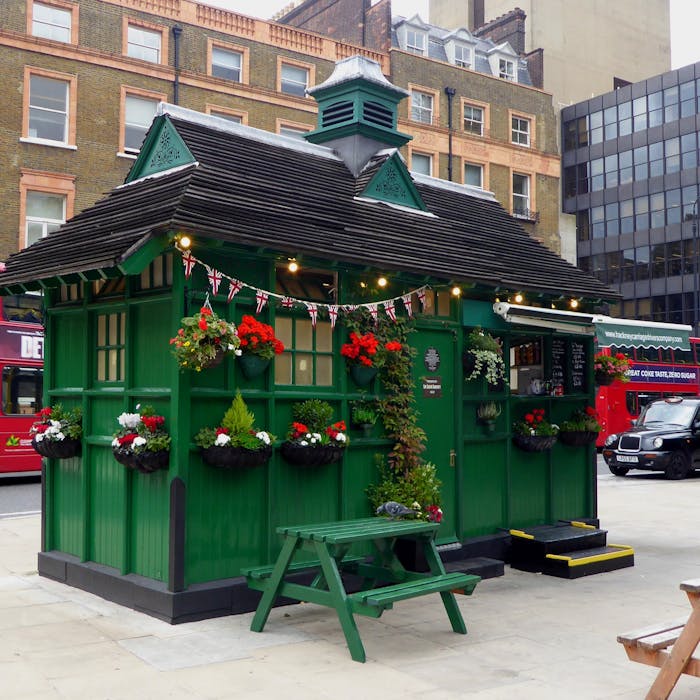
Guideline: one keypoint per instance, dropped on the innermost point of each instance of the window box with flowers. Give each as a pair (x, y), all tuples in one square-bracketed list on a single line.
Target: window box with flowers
[(581, 428), (483, 356), (258, 346), (365, 355), (203, 340), (142, 443), (608, 368), (57, 432), (312, 440), (235, 443), (534, 433)]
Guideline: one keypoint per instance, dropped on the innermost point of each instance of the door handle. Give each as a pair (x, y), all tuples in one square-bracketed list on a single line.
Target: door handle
[(453, 458)]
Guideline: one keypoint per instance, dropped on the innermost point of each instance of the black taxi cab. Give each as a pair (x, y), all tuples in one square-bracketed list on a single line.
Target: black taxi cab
[(665, 438)]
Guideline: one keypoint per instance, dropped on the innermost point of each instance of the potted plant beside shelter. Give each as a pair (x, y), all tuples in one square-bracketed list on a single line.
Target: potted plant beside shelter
[(487, 413), (235, 443), (258, 345), (483, 356), (363, 415), (57, 432), (581, 428)]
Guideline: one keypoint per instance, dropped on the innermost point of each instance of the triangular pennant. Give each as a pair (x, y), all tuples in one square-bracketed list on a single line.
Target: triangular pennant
[(235, 286), (189, 261), (214, 277), (421, 297), (374, 311), (332, 314), (390, 309), (261, 298), (287, 302), (350, 307), (313, 312), (408, 304)]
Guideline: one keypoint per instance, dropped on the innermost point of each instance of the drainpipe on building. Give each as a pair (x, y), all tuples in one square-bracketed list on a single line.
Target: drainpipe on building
[(450, 92), (177, 30)]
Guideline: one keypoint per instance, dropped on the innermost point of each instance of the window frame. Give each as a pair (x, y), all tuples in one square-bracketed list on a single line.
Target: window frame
[(414, 48), (218, 111), (233, 48), (434, 109), (127, 91), (61, 5), (517, 131), (462, 48), (482, 167), (530, 204), (119, 347), (485, 111), (128, 22), (71, 107), (504, 74), (298, 127), (413, 152), (310, 75)]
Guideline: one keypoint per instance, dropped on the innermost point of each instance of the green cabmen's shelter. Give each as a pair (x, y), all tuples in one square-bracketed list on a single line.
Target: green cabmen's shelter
[(345, 209)]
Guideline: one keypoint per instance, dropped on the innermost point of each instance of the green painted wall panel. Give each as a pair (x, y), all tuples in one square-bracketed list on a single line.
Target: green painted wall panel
[(571, 481), (150, 333), (149, 524), (529, 487), (68, 506), (483, 487), (108, 490), (69, 332)]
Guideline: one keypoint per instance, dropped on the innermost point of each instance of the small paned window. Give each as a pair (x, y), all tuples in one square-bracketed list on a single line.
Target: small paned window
[(611, 170), (422, 163), (226, 64), (624, 115), (139, 113), (158, 274), (415, 42), (627, 216), (474, 175), (49, 22), (689, 151), (521, 195), (45, 213), (672, 148), (639, 113), (610, 122), (598, 222), (308, 356), (110, 346), (655, 106), (506, 69), (656, 159), (437, 303), (70, 292), (687, 97), (421, 107), (48, 109), (641, 213), (597, 179), (294, 80), (626, 168), (22, 387), (520, 133), (463, 56), (144, 44), (474, 120)]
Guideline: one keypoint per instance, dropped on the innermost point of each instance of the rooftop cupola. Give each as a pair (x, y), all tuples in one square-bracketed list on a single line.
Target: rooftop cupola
[(357, 109)]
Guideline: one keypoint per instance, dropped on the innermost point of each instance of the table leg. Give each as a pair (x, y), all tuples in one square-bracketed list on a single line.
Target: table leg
[(448, 599), (340, 602), (273, 585)]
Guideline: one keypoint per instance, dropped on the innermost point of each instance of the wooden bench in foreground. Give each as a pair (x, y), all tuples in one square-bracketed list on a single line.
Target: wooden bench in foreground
[(669, 646)]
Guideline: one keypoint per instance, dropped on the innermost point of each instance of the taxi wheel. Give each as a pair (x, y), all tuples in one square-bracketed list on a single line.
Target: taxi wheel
[(618, 471), (677, 467)]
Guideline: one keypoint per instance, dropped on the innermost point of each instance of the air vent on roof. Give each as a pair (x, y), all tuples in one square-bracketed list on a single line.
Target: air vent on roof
[(375, 113), (337, 113)]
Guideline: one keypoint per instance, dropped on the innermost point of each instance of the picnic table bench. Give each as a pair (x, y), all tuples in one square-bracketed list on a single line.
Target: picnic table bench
[(669, 646), (384, 580)]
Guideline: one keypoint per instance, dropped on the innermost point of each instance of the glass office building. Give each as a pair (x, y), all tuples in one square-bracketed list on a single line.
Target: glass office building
[(630, 175)]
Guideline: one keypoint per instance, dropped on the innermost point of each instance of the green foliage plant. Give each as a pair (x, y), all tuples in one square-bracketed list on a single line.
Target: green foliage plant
[(315, 414), (363, 412), (488, 411)]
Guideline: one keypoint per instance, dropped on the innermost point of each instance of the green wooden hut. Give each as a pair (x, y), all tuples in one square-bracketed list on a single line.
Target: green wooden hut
[(344, 207)]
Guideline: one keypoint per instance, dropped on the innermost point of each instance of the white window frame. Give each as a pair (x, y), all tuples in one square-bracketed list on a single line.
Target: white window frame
[(506, 69), (481, 174), (417, 157), (131, 150), (460, 52), (230, 52), (48, 225), (49, 27), (466, 120), (136, 48), (292, 131), (294, 82), (415, 41), (520, 130), (421, 110), (520, 211), (34, 109)]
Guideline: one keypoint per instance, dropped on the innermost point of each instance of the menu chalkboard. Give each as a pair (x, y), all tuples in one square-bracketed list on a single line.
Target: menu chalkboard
[(578, 367), (558, 362)]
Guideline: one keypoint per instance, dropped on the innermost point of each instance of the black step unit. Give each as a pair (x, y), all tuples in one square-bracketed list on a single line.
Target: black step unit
[(530, 546), (589, 561), (481, 566)]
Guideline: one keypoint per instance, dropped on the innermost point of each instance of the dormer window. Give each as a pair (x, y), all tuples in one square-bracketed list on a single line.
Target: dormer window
[(506, 69), (415, 42), (463, 56)]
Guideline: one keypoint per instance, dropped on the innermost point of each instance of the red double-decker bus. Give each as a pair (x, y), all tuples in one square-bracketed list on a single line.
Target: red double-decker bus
[(654, 374), (21, 365)]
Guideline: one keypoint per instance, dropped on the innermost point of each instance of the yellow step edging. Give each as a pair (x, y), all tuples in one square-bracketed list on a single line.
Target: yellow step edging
[(520, 533), (625, 551)]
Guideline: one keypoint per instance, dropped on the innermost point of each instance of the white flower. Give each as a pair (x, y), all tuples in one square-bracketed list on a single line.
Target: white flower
[(222, 439), (263, 436), (60, 436), (55, 424), (115, 443), (340, 437), (316, 437), (238, 352), (139, 441), (129, 420), (39, 437), (303, 443)]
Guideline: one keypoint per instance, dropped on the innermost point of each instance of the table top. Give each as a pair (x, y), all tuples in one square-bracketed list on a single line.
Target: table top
[(343, 531)]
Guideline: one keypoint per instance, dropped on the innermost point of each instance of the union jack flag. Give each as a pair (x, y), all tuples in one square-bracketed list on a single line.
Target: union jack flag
[(390, 309), (313, 312), (333, 314), (261, 297), (189, 261), (408, 304), (234, 287), (214, 277)]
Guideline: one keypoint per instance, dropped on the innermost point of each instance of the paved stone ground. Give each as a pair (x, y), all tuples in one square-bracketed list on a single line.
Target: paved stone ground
[(530, 636)]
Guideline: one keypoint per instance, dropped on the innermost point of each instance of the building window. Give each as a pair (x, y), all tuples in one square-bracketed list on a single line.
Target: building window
[(415, 42), (463, 56), (110, 346), (422, 163), (138, 115), (51, 22), (294, 79), (144, 44), (48, 109), (421, 107), (521, 195), (226, 64), (474, 175), (520, 132), (474, 120), (506, 69), (294, 132), (44, 214), (234, 118)]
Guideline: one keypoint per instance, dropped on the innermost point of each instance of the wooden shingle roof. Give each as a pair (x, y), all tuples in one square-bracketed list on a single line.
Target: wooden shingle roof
[(255, 189)]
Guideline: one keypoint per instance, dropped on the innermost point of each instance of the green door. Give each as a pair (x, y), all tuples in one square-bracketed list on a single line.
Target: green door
[(434, 381)]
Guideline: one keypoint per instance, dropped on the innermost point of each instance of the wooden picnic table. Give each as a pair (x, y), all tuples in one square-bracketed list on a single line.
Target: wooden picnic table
[(384, 579)]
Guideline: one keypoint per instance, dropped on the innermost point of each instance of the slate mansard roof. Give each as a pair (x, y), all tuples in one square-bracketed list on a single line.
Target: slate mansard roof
[(270, 192)]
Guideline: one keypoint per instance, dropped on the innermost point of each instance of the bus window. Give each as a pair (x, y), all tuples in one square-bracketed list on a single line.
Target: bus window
[(665, 355), (647, 354), (22, 307), (21, 390), (683, 357), (631, 403)]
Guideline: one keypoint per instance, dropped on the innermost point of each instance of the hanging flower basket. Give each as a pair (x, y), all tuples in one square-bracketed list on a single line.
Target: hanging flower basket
[(215, 361), (578, 438), (361, 375), (61, 449), (311, 455), (235, 457), (252, 365), (145, 462), (604, 379), (534, 443)]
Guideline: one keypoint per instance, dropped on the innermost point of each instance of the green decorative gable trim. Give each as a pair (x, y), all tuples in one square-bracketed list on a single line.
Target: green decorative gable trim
[(393, 184), (162, 150)]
